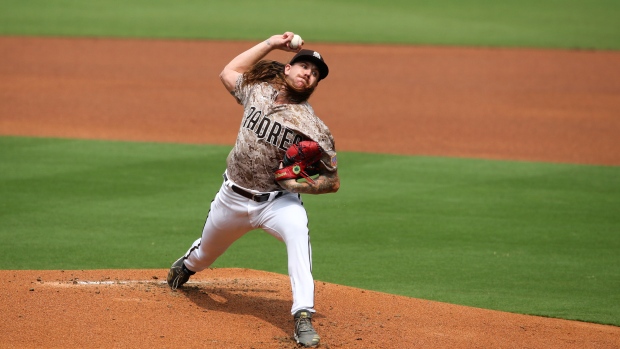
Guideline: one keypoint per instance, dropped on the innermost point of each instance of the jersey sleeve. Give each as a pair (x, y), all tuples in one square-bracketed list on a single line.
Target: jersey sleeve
[(327, 143), (316, 130), (330, 160), (241, 93)]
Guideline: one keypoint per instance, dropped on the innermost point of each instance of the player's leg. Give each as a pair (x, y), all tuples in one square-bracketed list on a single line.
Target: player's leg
[(286, 219), (226, 222)]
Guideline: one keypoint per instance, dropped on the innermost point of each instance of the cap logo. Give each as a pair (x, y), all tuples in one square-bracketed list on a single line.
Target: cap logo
[(317, 55)]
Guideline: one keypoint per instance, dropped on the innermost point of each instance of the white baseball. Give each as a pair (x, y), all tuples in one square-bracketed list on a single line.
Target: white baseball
[(295, 42)]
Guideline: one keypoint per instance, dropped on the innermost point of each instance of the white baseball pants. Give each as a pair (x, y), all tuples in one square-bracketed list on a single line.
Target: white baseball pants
[(232, 215)]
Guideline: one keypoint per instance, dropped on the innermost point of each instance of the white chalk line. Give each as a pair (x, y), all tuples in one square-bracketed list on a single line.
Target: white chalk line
[(108, 283)]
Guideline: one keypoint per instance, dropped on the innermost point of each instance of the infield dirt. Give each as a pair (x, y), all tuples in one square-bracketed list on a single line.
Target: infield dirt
[(531, 105)]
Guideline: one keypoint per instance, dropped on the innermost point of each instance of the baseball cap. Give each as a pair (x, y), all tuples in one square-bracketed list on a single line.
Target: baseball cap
[(314, 57)]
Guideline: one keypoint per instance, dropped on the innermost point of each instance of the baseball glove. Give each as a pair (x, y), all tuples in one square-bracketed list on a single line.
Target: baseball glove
[(301, 162)]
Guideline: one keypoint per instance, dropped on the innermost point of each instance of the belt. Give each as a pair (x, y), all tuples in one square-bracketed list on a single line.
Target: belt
[(262, 197)]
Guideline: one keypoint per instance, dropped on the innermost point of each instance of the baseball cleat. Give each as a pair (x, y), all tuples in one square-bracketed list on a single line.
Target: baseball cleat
[(304, 332), (178, 274)]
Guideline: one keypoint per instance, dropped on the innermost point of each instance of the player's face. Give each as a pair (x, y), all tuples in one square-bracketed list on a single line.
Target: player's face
[(302, 74)]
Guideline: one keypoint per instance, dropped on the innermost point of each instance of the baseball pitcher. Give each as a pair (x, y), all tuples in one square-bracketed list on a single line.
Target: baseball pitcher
[(282, 150)]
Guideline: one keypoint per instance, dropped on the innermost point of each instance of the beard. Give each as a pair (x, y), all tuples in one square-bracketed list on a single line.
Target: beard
[(298, 94)]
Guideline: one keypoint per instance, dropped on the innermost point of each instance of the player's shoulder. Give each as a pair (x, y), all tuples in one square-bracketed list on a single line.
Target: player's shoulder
[(303, 108), (253, 91), (262, 88), (309, 108)]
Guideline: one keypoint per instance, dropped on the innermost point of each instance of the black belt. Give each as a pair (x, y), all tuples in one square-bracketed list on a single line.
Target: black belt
[(256, 197)]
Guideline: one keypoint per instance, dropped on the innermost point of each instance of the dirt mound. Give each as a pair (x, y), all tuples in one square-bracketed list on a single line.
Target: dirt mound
[(240, 308)]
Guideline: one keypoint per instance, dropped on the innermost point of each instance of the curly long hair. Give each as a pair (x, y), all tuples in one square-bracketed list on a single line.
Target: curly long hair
[(273, 72)]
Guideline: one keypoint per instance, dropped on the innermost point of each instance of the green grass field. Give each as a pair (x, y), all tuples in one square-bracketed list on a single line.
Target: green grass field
[(527, 23), (531, 238), (523, 237)]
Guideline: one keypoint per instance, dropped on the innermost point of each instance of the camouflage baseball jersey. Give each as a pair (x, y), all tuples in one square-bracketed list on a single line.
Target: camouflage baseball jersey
[(267, 130)]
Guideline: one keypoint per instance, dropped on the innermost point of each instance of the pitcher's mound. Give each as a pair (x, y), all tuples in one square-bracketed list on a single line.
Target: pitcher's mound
[(240, 308)]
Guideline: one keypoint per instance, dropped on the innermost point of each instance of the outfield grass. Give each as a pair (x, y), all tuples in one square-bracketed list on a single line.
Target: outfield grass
[(523, 237), (569, 24)]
